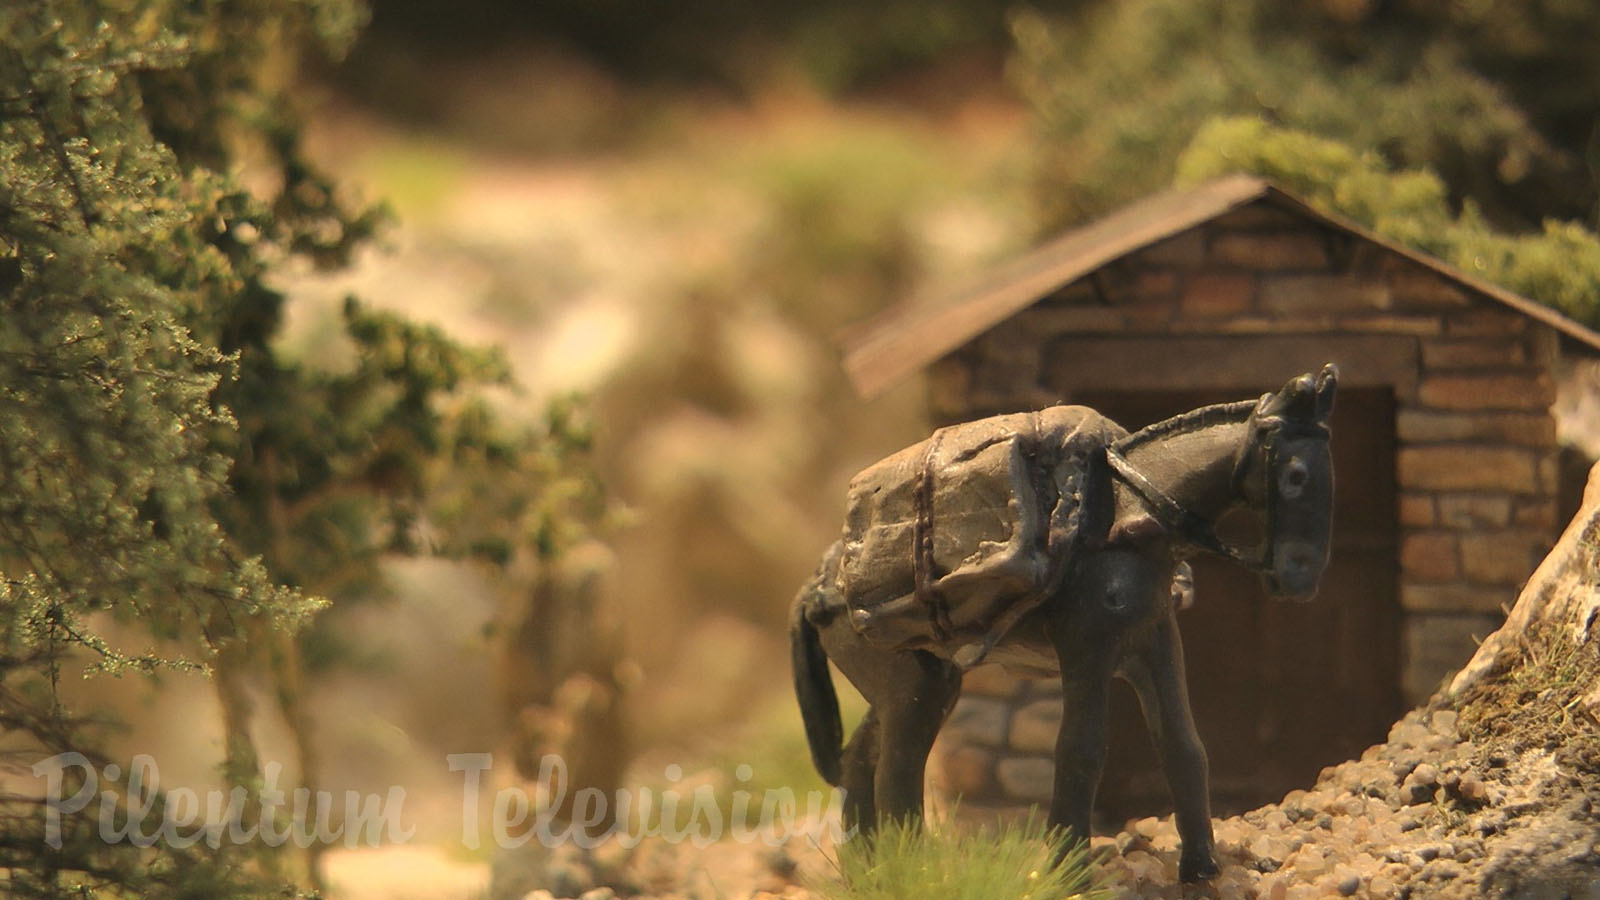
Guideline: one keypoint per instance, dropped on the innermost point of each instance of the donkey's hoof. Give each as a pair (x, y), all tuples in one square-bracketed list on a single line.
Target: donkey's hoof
[(1201, 868)]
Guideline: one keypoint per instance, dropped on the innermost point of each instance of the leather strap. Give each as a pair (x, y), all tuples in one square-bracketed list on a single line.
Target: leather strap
[(1189, 527)]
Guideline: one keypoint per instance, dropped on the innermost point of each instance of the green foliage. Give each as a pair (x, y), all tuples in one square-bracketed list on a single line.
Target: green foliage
[(115, 260), (1558, 265), (903, 863), (161, 462), (1120, 89)]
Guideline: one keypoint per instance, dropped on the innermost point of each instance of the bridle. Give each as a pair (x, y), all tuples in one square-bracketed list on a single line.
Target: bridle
[(1196, 530)]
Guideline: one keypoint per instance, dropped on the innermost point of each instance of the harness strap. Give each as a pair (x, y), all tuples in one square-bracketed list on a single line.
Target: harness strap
[(922, 543), (1191, 528)]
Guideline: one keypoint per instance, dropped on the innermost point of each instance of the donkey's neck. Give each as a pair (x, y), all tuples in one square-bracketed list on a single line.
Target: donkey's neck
[(1192, 466)]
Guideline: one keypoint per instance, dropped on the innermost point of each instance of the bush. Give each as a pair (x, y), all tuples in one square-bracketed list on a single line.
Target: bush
[(1118, 90), (1558, 265)]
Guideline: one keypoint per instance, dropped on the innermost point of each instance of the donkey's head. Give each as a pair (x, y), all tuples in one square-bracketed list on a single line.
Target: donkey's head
[(1285, 471)]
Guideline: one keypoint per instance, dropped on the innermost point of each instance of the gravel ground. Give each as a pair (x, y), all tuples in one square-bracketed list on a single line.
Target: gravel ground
[(1426, 815)]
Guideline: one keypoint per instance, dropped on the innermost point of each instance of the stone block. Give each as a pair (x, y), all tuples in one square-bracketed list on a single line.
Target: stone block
[(1438, 644), (1029, 779), (1455, 597), (1416, 510), (1086, 319), (1507, 558), (979, 720), (968, 772), (1465, 512), (1495, 391), (1259, 216), (1430, 556), (1270, 251), (1544, 345), (1472, 354), (1419, 326), (1428, 426), (949, 385), (1035, 688), (1003, 370), (1217, 294), (1151, 284), (1485, 321), (1238, 325), (1537, 514), (990, 681), (1415, 286), (1149, 314), (1035, 726), (1466, 468), (1184, 250), (1302, 295)]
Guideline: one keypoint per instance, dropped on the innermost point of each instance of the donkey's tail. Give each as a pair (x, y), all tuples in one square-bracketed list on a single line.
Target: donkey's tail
[(813, 686)]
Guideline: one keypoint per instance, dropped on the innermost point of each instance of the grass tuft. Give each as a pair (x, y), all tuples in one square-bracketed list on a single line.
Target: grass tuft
[(1011, 862)]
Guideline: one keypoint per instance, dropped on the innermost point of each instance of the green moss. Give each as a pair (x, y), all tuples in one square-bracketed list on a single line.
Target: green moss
[(1558, 265)]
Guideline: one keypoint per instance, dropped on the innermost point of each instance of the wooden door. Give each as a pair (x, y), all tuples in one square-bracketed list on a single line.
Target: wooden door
[(1279, 690)]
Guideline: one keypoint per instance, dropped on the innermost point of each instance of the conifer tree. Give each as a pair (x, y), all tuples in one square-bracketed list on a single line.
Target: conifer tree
[(161, 463)]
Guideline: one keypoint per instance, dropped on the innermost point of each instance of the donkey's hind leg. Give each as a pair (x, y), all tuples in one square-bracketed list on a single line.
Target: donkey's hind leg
[(908, 724), (858, 772), (910, 693)]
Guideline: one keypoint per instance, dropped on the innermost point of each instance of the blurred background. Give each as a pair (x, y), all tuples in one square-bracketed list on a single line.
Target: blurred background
[(664, 216)]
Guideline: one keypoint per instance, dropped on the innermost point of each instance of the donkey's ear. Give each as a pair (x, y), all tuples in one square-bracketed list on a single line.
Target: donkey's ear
[(1327, 386), (1134, 530)]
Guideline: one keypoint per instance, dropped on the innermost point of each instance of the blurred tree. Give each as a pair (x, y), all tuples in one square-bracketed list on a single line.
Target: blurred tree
[(1540, 53), (1121, 87), (841, 45), (161, 464)]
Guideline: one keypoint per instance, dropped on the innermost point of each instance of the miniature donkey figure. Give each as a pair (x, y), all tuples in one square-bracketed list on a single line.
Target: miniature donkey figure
[(1047, 542)]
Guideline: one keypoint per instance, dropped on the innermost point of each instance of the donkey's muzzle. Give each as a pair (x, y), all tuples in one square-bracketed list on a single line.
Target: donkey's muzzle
[(1296, 571)]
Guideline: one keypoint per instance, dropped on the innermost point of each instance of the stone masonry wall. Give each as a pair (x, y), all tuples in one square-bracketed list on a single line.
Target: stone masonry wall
[(1477, 459)]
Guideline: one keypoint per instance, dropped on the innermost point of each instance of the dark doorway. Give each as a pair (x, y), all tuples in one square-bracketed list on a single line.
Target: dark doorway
[(1279, 690)]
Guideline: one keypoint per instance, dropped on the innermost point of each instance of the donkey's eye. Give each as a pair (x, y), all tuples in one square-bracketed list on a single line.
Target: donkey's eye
[(1292, 479)]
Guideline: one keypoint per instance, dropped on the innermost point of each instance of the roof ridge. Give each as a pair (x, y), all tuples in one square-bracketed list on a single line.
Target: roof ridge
[(931, 324)]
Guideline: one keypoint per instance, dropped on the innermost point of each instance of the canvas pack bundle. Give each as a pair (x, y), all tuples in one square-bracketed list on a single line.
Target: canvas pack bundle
[(957, 537)]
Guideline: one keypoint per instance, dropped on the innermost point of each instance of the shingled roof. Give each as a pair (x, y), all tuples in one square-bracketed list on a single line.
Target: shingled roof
[(910, 336)]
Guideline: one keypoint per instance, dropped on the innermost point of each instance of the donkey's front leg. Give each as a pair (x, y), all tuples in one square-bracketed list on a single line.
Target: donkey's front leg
[(1156, 672), (1081, 743)]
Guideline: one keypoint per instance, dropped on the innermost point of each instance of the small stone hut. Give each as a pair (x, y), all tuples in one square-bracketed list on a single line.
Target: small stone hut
[(1444, 446)]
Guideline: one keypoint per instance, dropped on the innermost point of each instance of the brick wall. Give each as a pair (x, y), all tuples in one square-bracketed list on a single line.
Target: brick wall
[(1234, 302)]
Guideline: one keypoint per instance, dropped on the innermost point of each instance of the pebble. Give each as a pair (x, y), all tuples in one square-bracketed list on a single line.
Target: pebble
[(1444, 723), (1472, 789), (1308, 863), (780, 863), (1348, 881)]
